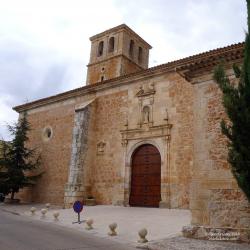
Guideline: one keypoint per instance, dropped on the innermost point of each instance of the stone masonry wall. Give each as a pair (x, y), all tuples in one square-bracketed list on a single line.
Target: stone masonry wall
[(128, 67), (108, 69), (107, 161), (104, 163), (55, 152), (181, 149), (216, 200)]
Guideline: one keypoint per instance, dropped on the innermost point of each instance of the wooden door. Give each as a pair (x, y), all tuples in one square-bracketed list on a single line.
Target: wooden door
[(146, 177)]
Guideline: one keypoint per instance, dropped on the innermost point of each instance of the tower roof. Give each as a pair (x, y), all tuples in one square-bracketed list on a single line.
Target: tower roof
[(117, 28)]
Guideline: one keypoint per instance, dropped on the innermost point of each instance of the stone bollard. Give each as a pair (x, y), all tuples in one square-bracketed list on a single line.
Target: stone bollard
[(112, 228), (47, 205), (56, 215), (89, 223), (43, 212), (142, 233), (33, 210)]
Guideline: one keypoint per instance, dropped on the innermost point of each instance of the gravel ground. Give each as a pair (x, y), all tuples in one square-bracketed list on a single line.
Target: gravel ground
[(181, 243)]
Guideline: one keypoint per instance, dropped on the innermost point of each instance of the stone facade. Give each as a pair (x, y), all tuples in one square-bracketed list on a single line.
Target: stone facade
[(87, 136), (215, 199)]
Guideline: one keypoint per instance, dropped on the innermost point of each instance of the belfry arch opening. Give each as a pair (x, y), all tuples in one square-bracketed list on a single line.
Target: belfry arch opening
[(111, 44), (145, 190), (131, 48), (100, 48)]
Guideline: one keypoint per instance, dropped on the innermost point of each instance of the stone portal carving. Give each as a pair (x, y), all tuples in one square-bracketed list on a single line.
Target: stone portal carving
[(101, 147), (148, 133)]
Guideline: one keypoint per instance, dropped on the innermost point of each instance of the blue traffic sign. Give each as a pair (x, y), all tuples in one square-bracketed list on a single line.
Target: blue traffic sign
[(78, 206)]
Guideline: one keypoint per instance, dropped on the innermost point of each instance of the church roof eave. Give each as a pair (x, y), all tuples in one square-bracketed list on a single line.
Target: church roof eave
[(187, 66)]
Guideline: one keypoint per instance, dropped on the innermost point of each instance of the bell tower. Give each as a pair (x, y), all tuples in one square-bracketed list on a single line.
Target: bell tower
[(116, 52)]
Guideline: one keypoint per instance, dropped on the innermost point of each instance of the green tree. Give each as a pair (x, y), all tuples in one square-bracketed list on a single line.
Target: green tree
[(16, 158), (236, 101)]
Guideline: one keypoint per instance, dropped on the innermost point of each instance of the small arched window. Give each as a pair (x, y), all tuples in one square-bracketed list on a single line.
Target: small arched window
[(131, 48), (111, 44), (140, 55), (100, 48), (47, 133)]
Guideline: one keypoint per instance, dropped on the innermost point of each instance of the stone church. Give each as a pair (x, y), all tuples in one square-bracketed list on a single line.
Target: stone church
[(139, 136)]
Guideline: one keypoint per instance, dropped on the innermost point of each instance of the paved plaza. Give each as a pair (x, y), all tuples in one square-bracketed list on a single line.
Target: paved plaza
[(160, 223), (164, 225)]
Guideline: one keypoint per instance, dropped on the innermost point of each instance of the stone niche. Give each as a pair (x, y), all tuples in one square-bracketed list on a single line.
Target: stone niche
[(145, 105)]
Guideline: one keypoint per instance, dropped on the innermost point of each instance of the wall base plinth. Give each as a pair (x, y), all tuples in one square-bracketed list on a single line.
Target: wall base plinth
[(164, 204), (119, 203), (218, 234), (73, 192)]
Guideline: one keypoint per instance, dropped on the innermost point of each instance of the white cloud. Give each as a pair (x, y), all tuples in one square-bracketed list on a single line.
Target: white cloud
[(6, 116)]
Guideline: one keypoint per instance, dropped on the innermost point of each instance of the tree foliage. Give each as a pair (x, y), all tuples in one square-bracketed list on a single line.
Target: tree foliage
[(16, 159), (236, 101)]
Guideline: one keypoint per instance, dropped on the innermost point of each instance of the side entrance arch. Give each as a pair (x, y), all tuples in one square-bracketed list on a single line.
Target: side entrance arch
[(145, 188)]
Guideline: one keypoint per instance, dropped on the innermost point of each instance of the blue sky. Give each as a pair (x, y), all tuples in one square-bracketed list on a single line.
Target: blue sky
[(44, 45)]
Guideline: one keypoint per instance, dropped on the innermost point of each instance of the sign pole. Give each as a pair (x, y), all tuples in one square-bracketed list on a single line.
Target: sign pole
[(78, 206)]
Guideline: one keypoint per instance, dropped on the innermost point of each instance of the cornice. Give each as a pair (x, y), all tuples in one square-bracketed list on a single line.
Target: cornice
[(186, 67), (112, 57)]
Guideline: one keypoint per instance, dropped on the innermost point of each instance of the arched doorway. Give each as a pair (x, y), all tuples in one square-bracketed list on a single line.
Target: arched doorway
[(145, 177)]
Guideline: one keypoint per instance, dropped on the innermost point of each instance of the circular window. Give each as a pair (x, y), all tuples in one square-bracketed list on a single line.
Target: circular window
[(47, 133)]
